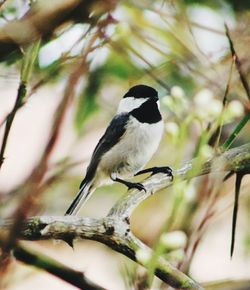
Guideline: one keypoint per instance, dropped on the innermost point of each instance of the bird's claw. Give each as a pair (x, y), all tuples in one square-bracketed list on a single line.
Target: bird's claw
[(154, 170), (165, 169), (136, 185)]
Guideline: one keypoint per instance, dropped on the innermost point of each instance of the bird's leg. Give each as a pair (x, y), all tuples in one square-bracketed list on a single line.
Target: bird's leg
[(164, 169), (129, 184)]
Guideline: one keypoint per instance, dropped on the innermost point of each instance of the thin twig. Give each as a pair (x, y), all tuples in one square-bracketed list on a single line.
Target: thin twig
[(170, 15), (238, 63), (224, 103), (10, 118), (244, 81), (27, 66)]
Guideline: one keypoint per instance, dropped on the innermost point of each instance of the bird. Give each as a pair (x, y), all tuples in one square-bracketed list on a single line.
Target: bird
[(129, 142)]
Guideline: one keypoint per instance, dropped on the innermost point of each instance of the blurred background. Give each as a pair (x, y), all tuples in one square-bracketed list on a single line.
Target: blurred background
[(76, 60)]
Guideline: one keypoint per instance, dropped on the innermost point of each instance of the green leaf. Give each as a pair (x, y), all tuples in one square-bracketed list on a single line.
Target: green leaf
[(29, 60), (227, 144)]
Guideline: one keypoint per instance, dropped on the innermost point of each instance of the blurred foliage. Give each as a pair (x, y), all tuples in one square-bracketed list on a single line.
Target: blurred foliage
[(117, 66), (87, 103), (178, 47), (236, 5)]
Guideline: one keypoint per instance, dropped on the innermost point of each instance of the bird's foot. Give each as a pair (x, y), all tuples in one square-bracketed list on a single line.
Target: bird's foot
[(154, 170), (129, 184)]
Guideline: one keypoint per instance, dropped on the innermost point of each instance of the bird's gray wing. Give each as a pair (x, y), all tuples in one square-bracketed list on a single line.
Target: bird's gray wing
[(112, 135)]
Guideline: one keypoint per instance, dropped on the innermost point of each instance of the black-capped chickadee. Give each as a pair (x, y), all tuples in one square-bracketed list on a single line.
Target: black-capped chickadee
[(129, 142)]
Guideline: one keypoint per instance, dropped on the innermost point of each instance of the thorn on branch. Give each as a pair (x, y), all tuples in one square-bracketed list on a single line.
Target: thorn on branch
[(228, 175), (70, 241), (239, 177)]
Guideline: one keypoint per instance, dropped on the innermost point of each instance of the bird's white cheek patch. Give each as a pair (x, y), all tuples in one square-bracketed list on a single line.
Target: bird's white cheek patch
[(130, 103)]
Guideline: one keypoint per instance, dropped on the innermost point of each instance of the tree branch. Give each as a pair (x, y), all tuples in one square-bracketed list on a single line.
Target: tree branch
[(111, 231), (55, 268), (114, 229), (235, 160)]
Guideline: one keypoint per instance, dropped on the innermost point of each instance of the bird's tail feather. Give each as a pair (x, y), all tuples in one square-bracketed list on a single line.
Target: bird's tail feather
[(81, 197)]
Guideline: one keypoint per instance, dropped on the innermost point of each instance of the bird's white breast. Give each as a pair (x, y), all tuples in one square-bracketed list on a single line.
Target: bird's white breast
[(135, 148)]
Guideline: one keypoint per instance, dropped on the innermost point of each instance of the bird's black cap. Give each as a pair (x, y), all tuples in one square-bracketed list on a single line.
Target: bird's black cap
[(141, 91)]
